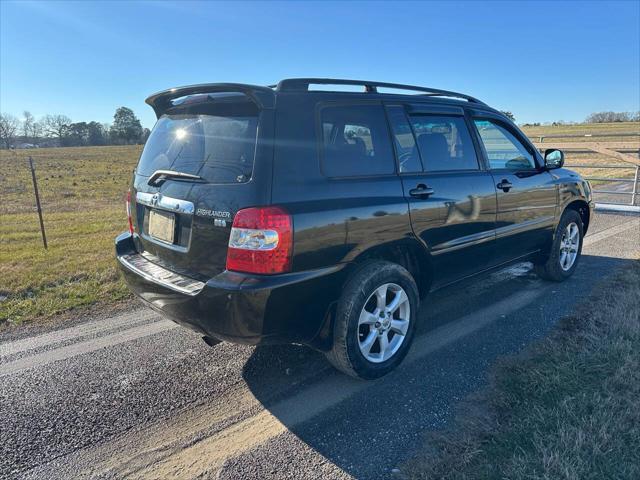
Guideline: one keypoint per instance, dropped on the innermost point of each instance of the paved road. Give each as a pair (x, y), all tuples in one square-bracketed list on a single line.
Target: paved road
[(135, 396)]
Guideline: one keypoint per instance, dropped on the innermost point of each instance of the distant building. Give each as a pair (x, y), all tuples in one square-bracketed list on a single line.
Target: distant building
[(49, 142)]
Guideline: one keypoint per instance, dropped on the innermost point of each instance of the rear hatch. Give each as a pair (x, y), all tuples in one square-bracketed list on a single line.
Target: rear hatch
[(205, 159)]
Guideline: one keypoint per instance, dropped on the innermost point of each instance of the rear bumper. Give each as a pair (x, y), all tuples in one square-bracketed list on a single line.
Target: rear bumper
[(237, 307)]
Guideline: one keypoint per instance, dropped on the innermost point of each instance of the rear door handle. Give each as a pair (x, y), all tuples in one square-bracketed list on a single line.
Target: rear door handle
[(505, 185), (421, 191)]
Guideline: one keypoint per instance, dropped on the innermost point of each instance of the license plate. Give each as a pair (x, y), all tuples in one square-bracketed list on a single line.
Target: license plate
[(162, 225)]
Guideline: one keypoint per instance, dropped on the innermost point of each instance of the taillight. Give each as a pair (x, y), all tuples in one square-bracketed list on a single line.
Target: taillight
[(261, 241), (129, 212)]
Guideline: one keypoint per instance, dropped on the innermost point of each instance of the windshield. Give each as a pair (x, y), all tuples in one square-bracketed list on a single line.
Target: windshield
[(220, 149)]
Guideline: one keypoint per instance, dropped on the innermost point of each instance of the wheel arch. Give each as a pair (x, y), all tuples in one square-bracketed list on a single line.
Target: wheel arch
[(582, 208), (408, 253)]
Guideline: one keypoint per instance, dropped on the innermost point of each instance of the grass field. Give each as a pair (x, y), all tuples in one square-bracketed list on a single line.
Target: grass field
[(568, 408), (534, 132), (82, 192)]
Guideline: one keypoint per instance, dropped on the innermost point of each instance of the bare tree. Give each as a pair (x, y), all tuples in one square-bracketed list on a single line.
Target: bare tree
[(606, 117), (56, 126), (32, 130), (8, 127), (37, 131), (27, 125)]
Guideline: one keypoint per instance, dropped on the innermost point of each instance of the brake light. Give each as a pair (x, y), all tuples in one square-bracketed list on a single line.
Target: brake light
[(128, 203), (261, 241)]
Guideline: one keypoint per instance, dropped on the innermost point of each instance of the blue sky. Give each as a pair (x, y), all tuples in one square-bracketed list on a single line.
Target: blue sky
[(544, 61)]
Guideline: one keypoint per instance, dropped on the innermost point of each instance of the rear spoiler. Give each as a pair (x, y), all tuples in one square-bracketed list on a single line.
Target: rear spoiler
[(264, 97)]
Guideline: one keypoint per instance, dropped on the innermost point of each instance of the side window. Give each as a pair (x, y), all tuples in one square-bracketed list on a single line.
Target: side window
[(444, 143), (404, 141), (355, 141), (503, 149)]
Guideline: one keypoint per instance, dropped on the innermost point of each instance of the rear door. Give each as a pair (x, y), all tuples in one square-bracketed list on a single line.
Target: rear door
[(527, 195), (452, 199), (334, 172), (217, 161)]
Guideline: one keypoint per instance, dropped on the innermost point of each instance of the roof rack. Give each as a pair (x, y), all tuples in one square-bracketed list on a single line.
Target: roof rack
[(302, 84)]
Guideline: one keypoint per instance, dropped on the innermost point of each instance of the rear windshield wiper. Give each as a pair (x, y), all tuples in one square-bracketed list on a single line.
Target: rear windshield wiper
[(159, 176)]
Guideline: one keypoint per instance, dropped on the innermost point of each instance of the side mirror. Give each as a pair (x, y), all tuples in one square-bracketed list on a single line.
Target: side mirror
[(553, 158)]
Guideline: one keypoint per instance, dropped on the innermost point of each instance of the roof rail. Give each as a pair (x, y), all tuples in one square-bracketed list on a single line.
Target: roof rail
[(161, 101), (302, 84)]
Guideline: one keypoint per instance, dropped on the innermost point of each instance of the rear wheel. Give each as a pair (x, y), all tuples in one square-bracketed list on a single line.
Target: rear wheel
[(566, 249), (375, 320)]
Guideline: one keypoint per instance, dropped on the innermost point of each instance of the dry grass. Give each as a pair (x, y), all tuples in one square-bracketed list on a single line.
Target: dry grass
[(82, 192), (535, 132), (569, 408)]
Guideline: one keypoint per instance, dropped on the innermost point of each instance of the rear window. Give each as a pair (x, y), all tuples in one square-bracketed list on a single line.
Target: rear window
[(355, 141), (219, 148)]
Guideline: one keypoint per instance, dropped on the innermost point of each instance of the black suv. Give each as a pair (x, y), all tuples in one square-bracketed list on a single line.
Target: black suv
[(305, 215)]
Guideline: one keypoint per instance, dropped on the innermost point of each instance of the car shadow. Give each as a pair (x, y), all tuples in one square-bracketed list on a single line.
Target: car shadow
[(366, 429)]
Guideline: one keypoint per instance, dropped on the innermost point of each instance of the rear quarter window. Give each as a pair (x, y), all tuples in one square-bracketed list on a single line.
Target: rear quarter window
[(355, 141)]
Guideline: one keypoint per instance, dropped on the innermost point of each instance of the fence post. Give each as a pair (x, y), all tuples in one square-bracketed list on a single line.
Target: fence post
[(635, 186), (35, 189)]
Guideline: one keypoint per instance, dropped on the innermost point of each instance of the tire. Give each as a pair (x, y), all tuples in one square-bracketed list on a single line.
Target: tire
[(355, 326), (554, 266)]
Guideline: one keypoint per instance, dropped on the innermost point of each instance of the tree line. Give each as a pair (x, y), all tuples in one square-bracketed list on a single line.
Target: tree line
[(597, 117), (609, 117), (61, 131)]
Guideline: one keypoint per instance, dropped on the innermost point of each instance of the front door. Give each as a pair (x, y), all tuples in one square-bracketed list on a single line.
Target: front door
[(452, 200), (527, 196)]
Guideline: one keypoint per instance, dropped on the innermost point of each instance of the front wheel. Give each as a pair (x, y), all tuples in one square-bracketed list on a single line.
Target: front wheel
[(566, 249), (375, 320)]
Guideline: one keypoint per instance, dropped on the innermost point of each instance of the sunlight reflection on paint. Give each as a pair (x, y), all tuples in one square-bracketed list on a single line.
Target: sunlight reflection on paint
[(181, 133)]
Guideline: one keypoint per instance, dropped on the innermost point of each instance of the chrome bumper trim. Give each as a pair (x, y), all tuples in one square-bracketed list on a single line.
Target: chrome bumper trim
[(160, 275)]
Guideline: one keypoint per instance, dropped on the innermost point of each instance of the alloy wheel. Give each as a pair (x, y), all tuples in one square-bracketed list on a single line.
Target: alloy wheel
[(569, 244), (384, 322)]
